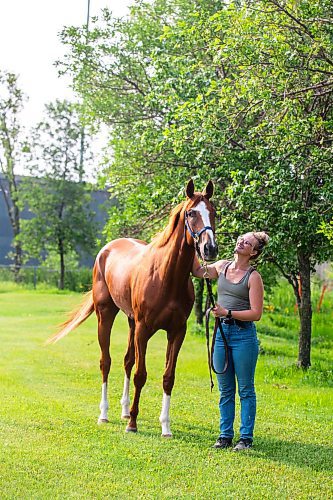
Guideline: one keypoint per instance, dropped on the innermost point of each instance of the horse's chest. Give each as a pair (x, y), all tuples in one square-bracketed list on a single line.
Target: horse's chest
[(163, 305), (157, 291)]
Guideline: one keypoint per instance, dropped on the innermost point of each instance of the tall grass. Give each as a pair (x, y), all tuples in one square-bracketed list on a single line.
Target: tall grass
[(281, 315)]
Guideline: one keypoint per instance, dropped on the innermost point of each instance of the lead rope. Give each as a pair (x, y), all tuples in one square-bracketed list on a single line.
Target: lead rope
[(218, 325)]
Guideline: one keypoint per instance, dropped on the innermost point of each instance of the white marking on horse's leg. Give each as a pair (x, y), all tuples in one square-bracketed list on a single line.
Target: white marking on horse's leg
[(125, 400), (164, 417), (104, 405)]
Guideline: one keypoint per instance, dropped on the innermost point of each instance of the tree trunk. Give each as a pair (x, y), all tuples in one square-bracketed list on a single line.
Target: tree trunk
[(17, 262), (198, 303), (17, 244), (62, 265), (10, 195), (305, 312), (81, 154)]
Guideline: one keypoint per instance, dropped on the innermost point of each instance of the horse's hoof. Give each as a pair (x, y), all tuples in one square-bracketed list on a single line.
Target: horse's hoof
[(125, 417), (102, 421), (166, 435), (131, 429)]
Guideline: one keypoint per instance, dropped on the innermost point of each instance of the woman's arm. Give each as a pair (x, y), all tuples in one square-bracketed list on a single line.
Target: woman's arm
[(256, 296), (213, 269)]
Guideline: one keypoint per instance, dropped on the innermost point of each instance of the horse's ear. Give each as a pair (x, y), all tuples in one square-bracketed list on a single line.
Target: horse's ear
[(190, 189), (209, 190)]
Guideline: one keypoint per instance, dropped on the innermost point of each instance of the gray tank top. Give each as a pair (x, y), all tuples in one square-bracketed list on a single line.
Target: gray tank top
[(234, 296)]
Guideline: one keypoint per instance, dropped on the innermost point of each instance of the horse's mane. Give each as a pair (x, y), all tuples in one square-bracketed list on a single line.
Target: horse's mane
[(162, 238)]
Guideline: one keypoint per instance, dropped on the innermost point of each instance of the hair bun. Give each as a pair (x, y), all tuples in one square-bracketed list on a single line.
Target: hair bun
[(262, 237)]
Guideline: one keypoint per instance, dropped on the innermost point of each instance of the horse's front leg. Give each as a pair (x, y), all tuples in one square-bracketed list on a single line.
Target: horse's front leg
[(141, 337), (175, 340), (129, 361)]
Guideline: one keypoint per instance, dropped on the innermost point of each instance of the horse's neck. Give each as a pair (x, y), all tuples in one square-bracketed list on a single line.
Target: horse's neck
[(177, 257)]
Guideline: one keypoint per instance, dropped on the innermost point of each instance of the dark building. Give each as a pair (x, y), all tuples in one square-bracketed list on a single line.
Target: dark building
[(100, 204)]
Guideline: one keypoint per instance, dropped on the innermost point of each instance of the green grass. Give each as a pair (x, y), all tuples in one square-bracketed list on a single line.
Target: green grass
[(51, 446)]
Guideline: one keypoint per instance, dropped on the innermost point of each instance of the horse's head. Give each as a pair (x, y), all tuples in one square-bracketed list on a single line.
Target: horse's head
[(200, 220)]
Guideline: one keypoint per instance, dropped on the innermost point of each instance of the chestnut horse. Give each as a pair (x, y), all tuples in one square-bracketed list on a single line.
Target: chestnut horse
[(151, 284)]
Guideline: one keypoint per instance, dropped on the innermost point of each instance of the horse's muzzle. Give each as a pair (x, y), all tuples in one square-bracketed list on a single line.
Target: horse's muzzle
[(210, 251)]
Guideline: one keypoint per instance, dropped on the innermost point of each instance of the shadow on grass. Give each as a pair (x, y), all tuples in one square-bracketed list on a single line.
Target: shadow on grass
[(315, 456)]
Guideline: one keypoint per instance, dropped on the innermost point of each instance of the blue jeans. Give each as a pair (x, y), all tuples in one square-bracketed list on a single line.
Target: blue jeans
[(243, 354)]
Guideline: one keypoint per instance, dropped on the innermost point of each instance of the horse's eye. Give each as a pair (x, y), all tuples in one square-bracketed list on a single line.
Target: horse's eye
[(191, 213)]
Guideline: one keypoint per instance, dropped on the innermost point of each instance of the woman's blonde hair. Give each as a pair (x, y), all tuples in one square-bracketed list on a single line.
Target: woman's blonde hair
[(262, 239)]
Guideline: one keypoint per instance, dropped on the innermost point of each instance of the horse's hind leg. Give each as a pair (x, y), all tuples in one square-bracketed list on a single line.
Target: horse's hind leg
[(106, 311), (129, 361), (175, 341)]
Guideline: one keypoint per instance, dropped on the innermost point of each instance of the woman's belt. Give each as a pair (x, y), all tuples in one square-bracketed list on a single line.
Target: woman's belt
[(233, 321)]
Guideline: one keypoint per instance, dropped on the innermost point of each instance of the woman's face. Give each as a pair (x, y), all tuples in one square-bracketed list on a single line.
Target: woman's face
[(246, 245)]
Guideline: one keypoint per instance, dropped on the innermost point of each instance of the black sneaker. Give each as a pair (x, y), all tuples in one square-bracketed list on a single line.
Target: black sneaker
[(223, 442), (243, 444)]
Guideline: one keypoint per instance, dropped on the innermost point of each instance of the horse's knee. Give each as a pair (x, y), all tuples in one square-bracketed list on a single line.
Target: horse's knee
[(105, 365), (139, 379), (129, 359)]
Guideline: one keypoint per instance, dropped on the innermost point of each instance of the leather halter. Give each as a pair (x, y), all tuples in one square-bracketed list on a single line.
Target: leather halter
[(196, 235)]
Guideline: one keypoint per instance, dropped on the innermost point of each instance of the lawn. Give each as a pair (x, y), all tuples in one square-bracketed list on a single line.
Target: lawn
[(51, 446)]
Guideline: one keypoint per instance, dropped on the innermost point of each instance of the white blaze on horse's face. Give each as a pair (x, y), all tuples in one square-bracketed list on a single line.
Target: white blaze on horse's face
[(207, 244)]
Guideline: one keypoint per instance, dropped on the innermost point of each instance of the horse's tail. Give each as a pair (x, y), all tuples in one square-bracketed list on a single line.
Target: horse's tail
[(75, 319)]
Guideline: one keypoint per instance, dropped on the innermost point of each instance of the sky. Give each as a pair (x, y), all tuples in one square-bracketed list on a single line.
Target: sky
[(29, 45)]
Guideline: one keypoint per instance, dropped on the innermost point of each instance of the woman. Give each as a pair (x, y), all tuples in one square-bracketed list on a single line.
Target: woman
[(240, 303)]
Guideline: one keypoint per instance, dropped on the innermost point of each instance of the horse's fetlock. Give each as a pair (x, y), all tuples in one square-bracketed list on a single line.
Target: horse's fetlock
[(134, 414), (125, 401), (104, 405), (164, 419)]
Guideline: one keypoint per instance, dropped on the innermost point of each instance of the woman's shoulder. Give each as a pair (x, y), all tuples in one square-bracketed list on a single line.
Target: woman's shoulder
[(220, 265), (254, 276)]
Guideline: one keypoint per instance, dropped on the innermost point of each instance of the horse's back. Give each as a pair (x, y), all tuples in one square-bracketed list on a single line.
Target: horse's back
[(121, 249)]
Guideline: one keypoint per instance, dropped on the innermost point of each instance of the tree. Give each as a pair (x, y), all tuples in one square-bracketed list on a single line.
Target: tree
[(241, 93), (62, 221), (12, 148), (266, 123), (265, 120), (113, 70)]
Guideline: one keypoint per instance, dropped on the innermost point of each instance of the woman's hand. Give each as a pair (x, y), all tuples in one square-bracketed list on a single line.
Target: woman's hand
[(219, 311), (199, 271)]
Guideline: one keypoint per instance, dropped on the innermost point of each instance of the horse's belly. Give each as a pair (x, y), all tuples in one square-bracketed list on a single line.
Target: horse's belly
[(120, 265), (120, 291)]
